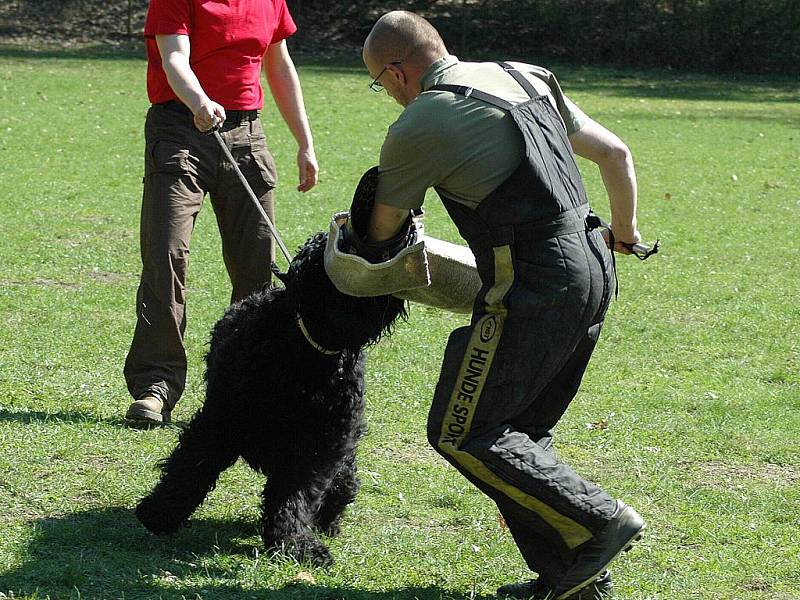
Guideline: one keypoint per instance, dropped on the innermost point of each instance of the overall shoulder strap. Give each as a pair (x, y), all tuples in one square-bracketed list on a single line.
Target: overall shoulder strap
[(520, 79), (470, 92)]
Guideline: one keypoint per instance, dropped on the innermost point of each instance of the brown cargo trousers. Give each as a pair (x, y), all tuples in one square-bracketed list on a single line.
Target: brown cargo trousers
[(182, 164)]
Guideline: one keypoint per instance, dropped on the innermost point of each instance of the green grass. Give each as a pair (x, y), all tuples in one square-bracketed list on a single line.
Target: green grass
[(690, 410)]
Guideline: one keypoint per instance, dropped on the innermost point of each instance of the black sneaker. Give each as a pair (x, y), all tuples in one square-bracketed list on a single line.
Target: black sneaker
[(624, 528), (537, 589)]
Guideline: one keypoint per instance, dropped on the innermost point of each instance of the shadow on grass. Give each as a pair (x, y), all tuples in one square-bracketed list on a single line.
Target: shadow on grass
[(676, 86), (24, 417), (108, 554), (604, 80), (629, 83), (125, 51)]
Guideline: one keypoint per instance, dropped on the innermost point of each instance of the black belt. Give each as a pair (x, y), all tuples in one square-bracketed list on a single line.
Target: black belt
[(580, 218), (571, 221), (231, 116)]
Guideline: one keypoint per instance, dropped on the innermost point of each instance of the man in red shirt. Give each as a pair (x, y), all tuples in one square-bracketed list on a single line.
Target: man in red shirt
[(204, 67)]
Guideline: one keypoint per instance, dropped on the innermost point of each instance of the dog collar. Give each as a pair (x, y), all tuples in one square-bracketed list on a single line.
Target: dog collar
[(315, 345)]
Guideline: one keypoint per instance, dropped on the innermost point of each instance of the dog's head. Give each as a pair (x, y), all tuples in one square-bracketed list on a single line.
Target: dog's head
[(334, 320)]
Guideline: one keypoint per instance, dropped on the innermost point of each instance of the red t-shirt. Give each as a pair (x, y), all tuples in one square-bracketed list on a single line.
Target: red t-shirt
[(228, 40)]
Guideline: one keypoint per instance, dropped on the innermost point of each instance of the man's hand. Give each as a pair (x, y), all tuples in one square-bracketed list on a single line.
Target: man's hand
[(623, 246), (307, 168), (208, 114)]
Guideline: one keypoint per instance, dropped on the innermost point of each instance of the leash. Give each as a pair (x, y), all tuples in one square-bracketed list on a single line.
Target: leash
[(273, 230), (639, 250)]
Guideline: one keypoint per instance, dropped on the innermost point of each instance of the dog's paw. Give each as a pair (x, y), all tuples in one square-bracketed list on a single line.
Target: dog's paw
[(304, 550), (158, 521), (317, 554), (331, 529)]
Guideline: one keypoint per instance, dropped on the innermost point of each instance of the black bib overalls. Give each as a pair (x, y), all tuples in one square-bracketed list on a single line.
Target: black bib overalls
[(507, 379)]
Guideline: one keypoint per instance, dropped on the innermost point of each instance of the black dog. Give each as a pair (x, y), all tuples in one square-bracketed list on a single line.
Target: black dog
[(285, 391)]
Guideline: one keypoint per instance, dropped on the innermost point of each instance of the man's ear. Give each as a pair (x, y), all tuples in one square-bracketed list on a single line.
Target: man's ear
[(397, 72)]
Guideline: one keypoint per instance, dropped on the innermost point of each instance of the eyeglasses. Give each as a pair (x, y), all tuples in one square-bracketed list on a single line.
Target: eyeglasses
[(377, 86)]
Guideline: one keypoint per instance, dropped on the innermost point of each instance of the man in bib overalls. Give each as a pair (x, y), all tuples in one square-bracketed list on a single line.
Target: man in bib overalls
[(496, 141)]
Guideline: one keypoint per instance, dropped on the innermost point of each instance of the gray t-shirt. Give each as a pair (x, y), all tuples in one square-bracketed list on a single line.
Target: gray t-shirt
[(462, 145)]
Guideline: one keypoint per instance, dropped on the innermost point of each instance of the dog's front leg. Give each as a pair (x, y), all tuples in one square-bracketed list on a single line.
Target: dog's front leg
[(288, 509), (187, 475), (341, 492)]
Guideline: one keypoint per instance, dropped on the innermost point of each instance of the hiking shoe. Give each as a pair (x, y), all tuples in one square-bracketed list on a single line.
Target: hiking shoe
[(148, 410), (536, 589), (624, 528)]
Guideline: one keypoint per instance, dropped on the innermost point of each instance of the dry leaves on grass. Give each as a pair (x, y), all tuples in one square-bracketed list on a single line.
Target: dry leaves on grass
[(721, 474), (303, 578)]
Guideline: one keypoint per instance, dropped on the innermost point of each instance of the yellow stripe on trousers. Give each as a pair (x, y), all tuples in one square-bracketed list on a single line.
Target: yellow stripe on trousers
[(467, 393)]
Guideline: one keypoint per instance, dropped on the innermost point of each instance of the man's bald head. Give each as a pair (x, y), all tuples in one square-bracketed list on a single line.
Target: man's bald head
[(403, 35)]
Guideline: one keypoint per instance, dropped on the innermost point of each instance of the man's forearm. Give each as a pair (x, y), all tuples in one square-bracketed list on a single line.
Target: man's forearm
[(613, 158), (619, 179), (175, 61), (285, 87), (385, 222), (289, 100), (184, 83)]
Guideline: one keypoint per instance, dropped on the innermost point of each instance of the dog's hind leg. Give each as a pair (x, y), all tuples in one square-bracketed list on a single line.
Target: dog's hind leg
[(187, 475), (341, 492)]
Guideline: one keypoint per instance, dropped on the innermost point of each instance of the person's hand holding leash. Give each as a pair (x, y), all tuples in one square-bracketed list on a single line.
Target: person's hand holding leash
[(622, 246), (208, 115), (636, 247)]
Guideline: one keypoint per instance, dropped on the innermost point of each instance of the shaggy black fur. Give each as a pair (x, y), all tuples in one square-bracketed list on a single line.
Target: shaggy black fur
[(293, 413)]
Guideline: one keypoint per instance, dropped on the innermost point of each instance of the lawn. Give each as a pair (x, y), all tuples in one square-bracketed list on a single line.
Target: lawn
[(690, 410)]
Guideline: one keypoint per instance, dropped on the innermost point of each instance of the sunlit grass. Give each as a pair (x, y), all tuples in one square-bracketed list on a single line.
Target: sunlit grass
[(689, 411)]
